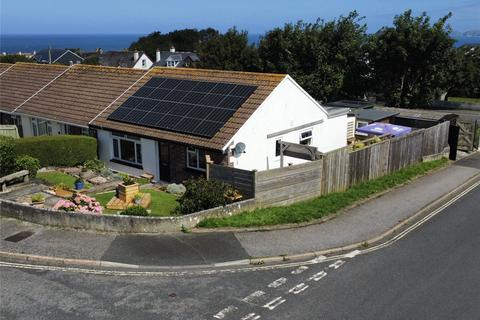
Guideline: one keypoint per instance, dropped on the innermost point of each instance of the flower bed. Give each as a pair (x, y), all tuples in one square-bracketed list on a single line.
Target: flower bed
[(79, 203)]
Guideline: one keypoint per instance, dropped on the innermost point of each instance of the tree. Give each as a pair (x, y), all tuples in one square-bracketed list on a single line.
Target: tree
[(465, 73), (229, 51), (328, 59), (410, 60), (182, 40), (14, 58)]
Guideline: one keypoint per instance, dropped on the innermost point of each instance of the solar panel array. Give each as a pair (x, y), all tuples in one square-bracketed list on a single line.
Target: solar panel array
[(195, 107)]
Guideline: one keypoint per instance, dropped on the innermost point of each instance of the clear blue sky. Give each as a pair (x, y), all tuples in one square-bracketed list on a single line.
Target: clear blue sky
[(145, 16)]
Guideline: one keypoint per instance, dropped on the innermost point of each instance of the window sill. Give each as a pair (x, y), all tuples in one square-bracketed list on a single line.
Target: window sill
[(126, 163)]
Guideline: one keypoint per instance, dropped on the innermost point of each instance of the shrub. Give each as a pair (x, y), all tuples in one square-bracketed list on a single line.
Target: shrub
[(38, 197), (201, 194), (94, 165), (79, 203), (135, 211), (27, 163), (127, 180), (61, 150), (7, 155), (176, 189)]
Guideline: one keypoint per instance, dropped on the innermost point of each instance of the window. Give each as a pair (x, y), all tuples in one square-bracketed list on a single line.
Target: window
[(277, 147), (144, 63), (41, 127), (127, 149), (196, 159), (306, 137), (361, 123)]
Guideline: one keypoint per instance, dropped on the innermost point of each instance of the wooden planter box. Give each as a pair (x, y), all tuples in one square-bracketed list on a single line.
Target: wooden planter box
[(127, 193)]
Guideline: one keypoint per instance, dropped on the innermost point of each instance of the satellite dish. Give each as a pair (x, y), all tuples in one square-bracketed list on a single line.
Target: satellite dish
[(239, 149)]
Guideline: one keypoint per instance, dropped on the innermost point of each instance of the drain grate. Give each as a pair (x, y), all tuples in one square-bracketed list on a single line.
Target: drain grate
[(22, 235)]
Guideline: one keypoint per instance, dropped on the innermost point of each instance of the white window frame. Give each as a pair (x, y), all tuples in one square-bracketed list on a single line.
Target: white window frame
[(194, 166), (362, 122), (309, 138), (137, 145)]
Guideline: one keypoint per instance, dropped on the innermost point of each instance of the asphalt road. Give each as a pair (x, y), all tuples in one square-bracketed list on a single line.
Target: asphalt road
[(432, 273)]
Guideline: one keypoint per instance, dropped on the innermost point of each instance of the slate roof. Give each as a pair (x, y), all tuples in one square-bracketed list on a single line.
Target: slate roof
[(335, 111), (175, 56), (22, 80), (118, 59), (350, 104), (56, 55), (80, 93)]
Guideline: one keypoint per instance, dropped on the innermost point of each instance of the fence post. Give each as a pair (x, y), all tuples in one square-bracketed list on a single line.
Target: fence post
[(209, 162)]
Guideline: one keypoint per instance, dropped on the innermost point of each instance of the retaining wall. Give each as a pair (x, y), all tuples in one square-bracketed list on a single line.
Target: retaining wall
[(117, 223)]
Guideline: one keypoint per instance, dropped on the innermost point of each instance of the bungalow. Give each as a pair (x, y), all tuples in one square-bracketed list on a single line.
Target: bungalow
[(164, 121)]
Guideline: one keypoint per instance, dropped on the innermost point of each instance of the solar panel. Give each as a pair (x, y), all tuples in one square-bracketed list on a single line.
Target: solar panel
[(194, 107)]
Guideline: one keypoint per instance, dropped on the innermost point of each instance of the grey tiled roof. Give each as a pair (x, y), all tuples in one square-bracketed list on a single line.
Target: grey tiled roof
[(118, 59), (181, 57)]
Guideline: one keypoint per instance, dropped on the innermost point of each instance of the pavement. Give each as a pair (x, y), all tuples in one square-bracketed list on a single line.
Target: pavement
[(366, 221)]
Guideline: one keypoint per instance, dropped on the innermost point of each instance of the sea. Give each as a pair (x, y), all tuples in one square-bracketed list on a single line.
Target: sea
[(90, 42)]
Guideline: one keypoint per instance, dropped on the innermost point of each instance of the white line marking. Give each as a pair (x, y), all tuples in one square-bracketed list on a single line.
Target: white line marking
[(299, 270), (274, 303), (337, 264), (233, 270), (251, 297), (277, 283), (317, 276), (352, 254), (222, 313), (318, 259), (299, 288), (251, 316)]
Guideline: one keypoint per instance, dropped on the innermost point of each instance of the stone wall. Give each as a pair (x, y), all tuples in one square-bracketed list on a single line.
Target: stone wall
[(117, 223)]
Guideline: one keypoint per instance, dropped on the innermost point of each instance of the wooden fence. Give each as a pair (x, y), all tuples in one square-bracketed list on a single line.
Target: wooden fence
[(336, 170)]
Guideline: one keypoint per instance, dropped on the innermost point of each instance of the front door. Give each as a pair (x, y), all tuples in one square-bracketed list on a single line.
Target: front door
[(164, 156)]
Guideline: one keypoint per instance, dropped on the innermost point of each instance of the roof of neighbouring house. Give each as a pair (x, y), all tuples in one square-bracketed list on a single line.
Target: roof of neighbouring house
[(20, 81), (378, 128), (123, 59), (44, 55), (335, 111), (372, 114), (353, 104), (181, 57)]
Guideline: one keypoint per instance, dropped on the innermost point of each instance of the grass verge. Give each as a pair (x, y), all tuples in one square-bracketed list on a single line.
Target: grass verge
[(322, 206), (163, 203), (54, 177), (464, 100)]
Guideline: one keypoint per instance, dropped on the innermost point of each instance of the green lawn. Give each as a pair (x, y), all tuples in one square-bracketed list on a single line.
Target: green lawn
[(464, 100), (322, 206), (163, 203), (54, 177)]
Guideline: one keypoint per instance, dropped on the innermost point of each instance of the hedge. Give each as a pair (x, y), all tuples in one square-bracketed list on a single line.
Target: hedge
[(60, 150)]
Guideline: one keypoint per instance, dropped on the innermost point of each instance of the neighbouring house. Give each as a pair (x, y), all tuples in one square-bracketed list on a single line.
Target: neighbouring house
[(175, 59), (58, 56), (125, 59), (164, 121)]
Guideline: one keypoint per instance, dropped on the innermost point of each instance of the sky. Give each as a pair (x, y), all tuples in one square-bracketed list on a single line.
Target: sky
[(255, 16)]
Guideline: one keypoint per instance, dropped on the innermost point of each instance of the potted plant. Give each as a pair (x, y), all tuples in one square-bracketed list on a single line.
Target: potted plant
[(38, 200), (79, 184), (137, 199), (127, 189)]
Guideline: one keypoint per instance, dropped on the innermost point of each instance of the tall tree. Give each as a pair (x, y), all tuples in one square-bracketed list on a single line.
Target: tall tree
[(328, 59), (465, 75), (229, 51), (410, 60)]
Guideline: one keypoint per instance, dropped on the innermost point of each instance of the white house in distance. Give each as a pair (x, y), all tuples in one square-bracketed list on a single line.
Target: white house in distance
[(125, 59), (164, 121)]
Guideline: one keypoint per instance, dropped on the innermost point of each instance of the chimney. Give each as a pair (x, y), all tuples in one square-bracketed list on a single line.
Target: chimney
[(135, 55), (172, 49), (157, 56)]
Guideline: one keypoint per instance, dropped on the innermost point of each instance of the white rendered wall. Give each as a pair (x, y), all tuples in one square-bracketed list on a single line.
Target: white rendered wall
[(149, 155), (287, 107), (148, 65)]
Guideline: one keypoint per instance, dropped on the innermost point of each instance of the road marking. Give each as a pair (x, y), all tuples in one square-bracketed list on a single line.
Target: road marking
[(352, 254), (318, 259), (251, 297), (178, 273), (274, 303), (337, 264), (277, 283), (222, 313), (299, 270), (299, 288), (251, 316), (317, 276)]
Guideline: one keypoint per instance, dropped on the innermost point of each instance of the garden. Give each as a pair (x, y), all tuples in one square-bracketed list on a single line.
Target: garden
[(73, 180)]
